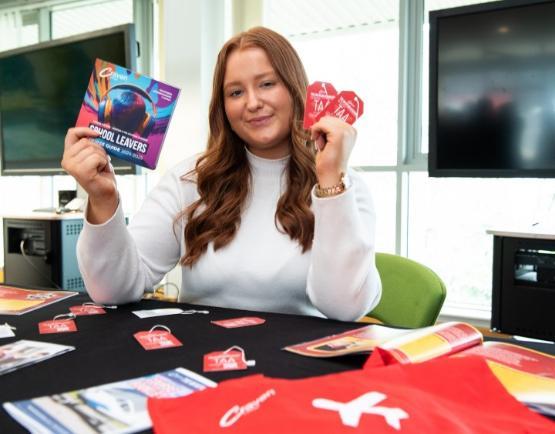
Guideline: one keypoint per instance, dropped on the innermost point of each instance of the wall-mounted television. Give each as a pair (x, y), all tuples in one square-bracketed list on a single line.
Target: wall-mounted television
[(41, 90), (492, 90)]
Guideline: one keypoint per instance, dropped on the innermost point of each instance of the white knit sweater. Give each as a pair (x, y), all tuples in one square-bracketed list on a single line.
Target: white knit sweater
[(262, 269)]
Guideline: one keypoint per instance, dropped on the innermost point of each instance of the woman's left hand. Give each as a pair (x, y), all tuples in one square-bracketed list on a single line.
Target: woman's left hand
[(334, 139)]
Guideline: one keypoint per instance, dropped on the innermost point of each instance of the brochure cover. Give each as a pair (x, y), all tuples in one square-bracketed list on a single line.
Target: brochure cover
[(24, 353), (17, 301), (116, 408), (361, 340), (131, 112)]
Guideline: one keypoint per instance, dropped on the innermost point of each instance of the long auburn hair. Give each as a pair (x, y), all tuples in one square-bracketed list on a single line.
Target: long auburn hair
[(222, 172)]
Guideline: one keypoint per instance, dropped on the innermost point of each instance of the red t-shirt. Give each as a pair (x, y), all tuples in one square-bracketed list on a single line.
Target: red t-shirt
[(447, 396)]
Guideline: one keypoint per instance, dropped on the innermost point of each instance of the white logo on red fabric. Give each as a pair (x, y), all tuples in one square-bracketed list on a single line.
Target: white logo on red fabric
[(351, 412), (234, 413)]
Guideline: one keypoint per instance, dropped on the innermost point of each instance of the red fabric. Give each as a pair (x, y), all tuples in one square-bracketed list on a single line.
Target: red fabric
[(382, 357), (453, 396)]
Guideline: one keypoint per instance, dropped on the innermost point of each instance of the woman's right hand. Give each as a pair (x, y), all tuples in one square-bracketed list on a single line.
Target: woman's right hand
[(89, 164)]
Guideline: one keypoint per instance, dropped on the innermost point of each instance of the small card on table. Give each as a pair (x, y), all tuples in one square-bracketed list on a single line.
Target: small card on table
[(245, 321)]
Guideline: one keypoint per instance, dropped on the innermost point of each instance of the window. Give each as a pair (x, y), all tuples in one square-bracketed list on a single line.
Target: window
[(348, 30), (448, 217), (67, 19), (448, 222), (18, 28), (440, 222), (376, 83)]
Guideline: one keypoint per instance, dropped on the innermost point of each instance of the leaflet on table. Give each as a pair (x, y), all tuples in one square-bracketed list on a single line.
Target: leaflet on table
[(360, 340), (116, 408), (17, 301), (131, 112), (24, 353)]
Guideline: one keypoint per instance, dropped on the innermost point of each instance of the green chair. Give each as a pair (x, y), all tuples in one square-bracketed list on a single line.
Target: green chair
[(412, 294)]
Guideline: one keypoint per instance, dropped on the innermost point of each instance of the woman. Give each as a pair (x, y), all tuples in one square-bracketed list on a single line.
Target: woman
[(261, 220)]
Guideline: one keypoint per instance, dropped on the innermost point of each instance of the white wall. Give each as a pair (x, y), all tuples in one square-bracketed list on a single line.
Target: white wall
[(192, 33)]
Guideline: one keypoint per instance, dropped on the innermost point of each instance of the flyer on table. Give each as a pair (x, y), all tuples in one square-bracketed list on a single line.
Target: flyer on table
[(17, 301)]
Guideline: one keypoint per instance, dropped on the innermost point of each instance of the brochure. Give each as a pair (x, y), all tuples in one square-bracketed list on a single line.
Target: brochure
[(361, 340), (131, 112), (17, 301), (24, 353), (119, 407)]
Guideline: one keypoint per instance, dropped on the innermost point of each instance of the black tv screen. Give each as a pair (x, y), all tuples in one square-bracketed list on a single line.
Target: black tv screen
[(41, 90), (492, 90)]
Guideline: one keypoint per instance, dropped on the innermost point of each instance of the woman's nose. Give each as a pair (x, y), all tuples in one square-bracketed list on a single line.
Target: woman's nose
[(254, 102)]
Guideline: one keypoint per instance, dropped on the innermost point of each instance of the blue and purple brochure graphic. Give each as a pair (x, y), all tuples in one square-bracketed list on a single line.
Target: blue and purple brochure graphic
[(131, 112)]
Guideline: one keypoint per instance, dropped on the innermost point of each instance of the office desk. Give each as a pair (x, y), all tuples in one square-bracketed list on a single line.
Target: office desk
[(106, 350)]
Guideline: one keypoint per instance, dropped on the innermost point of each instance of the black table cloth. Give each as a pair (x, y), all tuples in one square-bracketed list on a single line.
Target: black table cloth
[(106, 350)]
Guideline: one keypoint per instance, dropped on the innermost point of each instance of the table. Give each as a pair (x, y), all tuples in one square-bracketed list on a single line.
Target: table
[(106, 350)]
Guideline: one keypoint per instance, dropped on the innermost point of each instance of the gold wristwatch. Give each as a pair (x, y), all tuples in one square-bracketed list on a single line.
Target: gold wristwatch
[(334, 190)]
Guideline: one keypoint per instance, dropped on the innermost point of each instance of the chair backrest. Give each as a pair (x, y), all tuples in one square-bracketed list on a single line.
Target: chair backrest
[(412, 294)]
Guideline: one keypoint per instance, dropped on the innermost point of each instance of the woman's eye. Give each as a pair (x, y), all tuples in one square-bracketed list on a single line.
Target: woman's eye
[(268, 83), (235, 93)]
